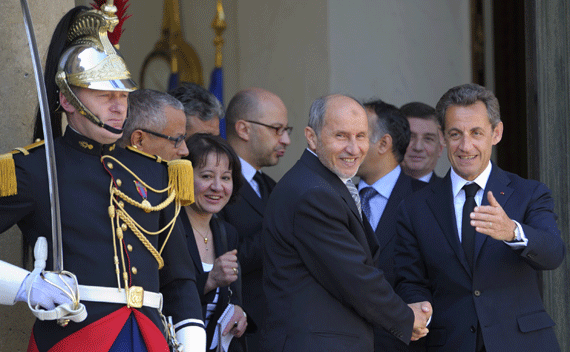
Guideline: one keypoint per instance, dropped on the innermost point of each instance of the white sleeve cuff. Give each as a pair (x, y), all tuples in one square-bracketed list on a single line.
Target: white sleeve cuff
[(12, 278), (192, 336), (520, 240)]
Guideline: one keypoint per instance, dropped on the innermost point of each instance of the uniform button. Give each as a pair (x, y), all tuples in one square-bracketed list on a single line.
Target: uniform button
[(477, 293), (110, 165), (134, 270), (124, 227), (472, 329), (119, 182), (130, 248)]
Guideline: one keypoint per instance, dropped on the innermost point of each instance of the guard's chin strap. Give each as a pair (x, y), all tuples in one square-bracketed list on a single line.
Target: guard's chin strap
[(111, 129)]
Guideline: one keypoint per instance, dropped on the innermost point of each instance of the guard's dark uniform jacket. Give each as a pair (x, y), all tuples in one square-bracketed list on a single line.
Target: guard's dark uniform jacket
[(84, 180)]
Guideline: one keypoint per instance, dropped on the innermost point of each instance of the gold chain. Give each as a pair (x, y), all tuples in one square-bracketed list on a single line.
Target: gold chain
[(204, 237)]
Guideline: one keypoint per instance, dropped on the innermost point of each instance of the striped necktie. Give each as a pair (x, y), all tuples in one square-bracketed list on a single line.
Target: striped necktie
[(354, 193)]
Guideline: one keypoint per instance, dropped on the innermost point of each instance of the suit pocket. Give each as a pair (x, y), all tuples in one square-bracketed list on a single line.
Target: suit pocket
[(436, 337), (535, 321)]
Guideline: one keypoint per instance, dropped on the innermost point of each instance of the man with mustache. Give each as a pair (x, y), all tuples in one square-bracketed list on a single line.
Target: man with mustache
[(257, 130)]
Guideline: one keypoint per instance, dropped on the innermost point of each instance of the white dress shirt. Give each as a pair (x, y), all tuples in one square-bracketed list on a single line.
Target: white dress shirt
[(457, 183)]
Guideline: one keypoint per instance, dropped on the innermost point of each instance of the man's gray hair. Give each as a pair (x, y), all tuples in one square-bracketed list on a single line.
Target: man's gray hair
[(146, 111), (465, 95), (318, 110)]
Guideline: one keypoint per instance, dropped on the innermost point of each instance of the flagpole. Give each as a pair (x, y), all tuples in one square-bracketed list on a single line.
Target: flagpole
[(216, 80)]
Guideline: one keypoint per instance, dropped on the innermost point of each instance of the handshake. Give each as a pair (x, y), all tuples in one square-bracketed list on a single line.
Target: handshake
[(422, 316)]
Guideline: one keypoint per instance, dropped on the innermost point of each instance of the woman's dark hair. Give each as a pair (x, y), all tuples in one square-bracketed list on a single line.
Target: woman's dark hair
[(202, 144)]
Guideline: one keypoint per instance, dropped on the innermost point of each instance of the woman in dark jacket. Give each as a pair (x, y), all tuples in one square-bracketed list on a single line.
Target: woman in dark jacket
[(211, 241)]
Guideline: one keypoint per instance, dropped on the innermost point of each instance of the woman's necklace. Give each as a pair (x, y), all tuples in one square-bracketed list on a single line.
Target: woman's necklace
[(204, 237)]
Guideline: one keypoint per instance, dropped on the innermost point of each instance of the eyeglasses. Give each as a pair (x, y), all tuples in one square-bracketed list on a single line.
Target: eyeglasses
[(278, 130), (177, 141)]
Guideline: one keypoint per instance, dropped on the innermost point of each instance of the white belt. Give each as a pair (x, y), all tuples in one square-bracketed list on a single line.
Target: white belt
[(134, 296)]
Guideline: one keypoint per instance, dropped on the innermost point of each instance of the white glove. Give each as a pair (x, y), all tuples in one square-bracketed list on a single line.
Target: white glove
[(47, 290), (56, 293), (193, 338)]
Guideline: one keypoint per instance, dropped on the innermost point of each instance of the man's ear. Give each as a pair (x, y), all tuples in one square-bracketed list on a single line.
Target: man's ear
[(498, 133), (312, 138), (243, 129), (136, 139), (385, 144), (65, 104)]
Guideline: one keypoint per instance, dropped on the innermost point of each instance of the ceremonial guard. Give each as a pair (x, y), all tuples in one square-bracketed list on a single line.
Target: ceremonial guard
[(122, 247)]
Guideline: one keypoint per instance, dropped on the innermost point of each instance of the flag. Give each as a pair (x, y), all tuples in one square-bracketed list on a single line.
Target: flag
[(217, 88)]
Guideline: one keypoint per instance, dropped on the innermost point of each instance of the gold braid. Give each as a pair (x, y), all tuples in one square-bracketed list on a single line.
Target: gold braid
[(116, 210), (146, 208)]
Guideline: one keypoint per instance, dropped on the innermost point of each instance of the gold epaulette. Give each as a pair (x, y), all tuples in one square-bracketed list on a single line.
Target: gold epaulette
[(180, 176), (8, 182), (150, 156)]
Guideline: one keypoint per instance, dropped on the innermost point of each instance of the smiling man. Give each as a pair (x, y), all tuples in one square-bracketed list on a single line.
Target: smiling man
[(324, 290), (475, 243)]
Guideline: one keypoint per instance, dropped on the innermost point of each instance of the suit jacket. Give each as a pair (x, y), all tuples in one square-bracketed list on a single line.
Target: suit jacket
[(502, 293), (246, 215), (324, 291), (231, 294), (386, 236), (434, 178)]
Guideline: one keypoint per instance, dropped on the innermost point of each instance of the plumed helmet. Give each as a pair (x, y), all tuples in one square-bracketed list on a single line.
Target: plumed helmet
[(91, 61)]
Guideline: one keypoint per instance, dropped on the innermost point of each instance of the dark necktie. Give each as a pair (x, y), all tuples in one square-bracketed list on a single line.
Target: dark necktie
[(354, 193), (366, 194), (263, 189), (468, 231)]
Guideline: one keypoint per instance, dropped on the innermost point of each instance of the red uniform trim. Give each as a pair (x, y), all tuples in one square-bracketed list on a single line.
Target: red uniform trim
[(100, 335)]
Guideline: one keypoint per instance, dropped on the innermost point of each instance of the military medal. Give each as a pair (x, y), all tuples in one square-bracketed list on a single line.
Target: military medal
[(143, 192)]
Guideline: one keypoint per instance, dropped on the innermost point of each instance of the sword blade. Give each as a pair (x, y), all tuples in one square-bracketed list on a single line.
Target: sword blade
[(48, 136)]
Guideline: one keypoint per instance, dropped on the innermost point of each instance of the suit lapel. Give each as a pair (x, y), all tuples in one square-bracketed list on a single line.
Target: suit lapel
[(498, 184), (386, 228), (313, 163), (249, 195), (441, 204), (191, 242)]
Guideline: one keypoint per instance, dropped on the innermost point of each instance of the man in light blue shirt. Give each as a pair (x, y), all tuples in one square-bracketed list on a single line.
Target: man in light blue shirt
[(382, 187)]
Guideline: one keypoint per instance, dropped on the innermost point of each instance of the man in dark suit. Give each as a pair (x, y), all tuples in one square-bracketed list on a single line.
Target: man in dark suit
[(324, 290), (475, 243), (382, 187), (426, 143), (257, 130)]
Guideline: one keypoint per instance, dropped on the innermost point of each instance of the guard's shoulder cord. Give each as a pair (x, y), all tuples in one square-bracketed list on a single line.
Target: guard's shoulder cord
[(121, 220)]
